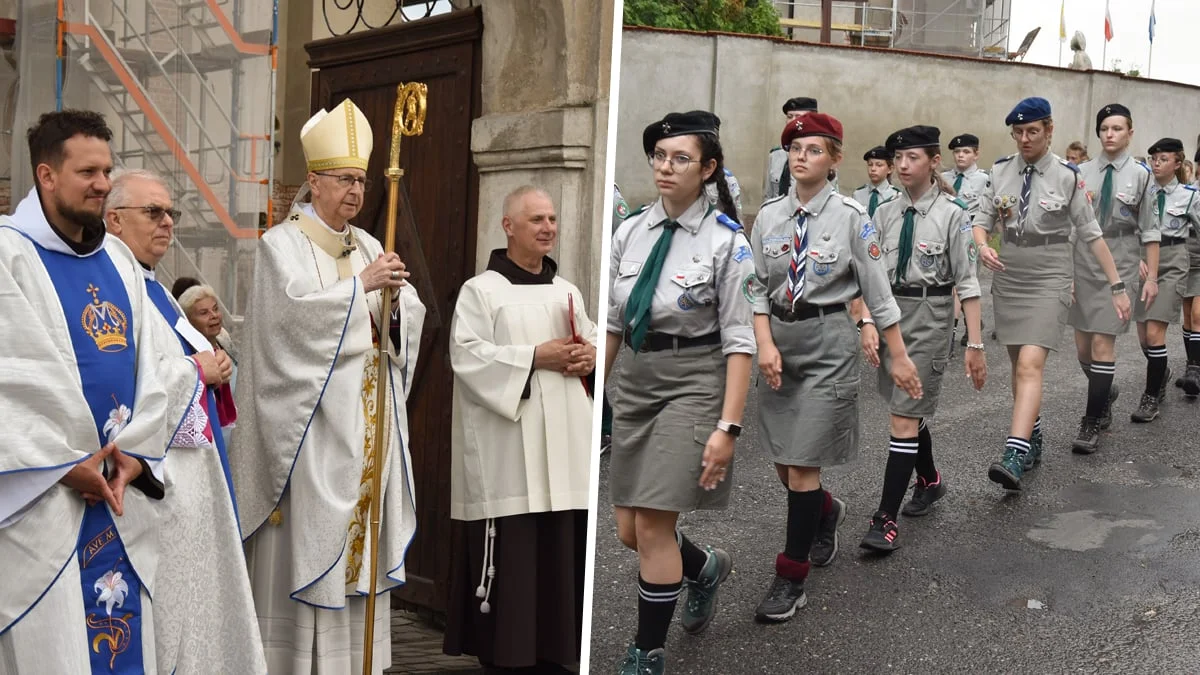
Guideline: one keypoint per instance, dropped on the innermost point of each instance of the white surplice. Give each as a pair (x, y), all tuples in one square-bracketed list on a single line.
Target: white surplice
[(297, 451), (49, 428), (204, 618), (512, 455)]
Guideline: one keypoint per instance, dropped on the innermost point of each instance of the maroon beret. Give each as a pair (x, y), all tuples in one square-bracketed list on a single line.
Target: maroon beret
[(812, 124)]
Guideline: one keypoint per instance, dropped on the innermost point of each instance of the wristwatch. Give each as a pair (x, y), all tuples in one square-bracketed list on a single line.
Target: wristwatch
[(862, 322), (730, 428), (1118, 288)]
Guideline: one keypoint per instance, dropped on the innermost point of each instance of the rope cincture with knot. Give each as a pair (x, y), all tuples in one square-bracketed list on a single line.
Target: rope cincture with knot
[(487, 572)]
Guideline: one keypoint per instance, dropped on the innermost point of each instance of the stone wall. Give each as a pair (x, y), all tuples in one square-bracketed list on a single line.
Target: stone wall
[(872, 92)]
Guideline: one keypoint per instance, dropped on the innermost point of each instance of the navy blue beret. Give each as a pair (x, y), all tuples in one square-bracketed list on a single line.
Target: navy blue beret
[(1028, 110)]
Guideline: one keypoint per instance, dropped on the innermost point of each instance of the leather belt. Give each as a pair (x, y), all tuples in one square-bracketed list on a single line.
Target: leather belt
[(1025, 240), (805, 312), (1172, 241), (657, 342), (921, 291)]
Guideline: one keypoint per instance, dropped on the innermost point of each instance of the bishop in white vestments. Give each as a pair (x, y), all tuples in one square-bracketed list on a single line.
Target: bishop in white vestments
[(204, 613), (522, 349), (302, 452), (84, 416)]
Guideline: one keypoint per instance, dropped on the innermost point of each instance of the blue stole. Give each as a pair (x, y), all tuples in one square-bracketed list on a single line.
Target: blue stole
[(99, 319), (158, 295)]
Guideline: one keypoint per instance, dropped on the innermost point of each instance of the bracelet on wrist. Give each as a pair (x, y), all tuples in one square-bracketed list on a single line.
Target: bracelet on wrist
[(976, 347), (1118, 288)]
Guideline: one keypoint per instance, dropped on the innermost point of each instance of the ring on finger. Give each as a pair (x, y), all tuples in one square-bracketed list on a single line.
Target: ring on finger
[(395, 275)]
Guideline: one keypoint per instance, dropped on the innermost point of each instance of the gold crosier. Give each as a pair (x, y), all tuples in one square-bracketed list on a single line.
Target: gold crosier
[(408, 119)]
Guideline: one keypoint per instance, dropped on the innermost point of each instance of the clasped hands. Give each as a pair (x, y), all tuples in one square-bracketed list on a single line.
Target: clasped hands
[(565, 356), (87, 477)]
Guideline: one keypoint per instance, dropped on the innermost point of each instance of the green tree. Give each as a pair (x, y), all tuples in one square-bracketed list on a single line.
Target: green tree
[(755, 17)]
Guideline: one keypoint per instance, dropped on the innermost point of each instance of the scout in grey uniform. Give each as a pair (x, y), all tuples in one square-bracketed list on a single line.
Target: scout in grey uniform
[(1039, 203), (1176, 208), (929, 251), (969, 183), (1116, 188), (878, 189), (814, 251), (779, 179), (619, 213), (681, 272)]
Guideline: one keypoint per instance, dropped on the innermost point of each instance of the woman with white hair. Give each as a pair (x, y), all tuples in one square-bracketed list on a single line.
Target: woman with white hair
[(199, 303)]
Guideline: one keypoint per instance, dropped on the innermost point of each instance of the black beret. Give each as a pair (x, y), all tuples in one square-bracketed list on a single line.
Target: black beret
[(914, 137), (964, 141), (800, 103), (710, 118), (678, 124), (878, 152), (1110, 110), (1166, 145)]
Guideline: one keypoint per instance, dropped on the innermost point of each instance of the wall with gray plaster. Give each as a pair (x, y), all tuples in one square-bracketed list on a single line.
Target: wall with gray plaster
[(745, 80)]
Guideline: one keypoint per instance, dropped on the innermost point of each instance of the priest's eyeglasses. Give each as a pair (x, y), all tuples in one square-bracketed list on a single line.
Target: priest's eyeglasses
[(346, 182), (156, 213)]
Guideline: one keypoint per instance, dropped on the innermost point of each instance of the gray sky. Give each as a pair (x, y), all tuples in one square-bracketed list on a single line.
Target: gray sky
[(1176, 50)]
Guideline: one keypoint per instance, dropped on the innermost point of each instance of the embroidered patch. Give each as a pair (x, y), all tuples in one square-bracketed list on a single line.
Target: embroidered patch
[(926, 261), (868, 229), (873, 251), (686, 302), (748, 287), (972, 252), (742, 253), (622, 209), (784, 248), (1176, 223), (1126, 211), (966, 226), (821, 269), (1091, 194), (1081, 185)]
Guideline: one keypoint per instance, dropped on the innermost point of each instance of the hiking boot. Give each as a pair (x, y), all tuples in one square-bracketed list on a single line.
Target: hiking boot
[(1191, 380), (701, 602), (1009, 470), (881, 537), (782, 600), (641, 662), (1162, 389), (1106, 416), (1034, 456), (825, 545), (924, 495), (1088, 440), (1147, 410)]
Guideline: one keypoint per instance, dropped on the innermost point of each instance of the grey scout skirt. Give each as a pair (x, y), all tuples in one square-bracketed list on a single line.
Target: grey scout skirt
[(1093, 311), (926, 324), (1172, 285), (1033, 294), (1192, 289), (666, 405), (812, 421)]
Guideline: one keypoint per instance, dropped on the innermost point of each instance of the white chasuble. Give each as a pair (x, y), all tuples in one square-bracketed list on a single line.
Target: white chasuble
[(514, 455), (306, 411)]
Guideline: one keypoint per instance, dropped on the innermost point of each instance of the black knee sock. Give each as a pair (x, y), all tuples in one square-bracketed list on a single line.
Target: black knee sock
[(804, 515), (925, 466), (1193, 348), (693, 556), (1188, 349), (1099, 384), (1156, 368), (656, 606), (902, 458), (1086, 368)]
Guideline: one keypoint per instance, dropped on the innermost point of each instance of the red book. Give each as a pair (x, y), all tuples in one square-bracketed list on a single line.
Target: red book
[(575, 336)]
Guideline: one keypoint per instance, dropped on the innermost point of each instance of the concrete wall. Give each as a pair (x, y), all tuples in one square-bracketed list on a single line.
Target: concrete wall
[(744, 80)]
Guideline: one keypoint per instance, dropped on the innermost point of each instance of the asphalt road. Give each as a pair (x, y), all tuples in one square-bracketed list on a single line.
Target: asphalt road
[(1094, 568)]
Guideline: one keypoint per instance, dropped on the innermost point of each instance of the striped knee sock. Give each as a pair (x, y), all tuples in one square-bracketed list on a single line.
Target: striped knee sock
[(902, 458), (1193, 347), (1188, 347), (925, 466), (1019, 444), (656, 606), (1156, 369), (1099, 385), (1037, 427)]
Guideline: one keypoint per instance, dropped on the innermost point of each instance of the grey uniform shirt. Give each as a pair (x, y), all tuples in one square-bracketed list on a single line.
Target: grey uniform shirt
[(887, 192), (975, 184), (844, 257), (705, 282), (1129, 210), (735, 190), (1058, 203), (943, 249), (1182, 209), (776, 162)]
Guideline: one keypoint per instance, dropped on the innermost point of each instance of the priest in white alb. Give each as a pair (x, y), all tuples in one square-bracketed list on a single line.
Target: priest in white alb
[(522, 348), (85, 417), (204, 614), (302, 453)]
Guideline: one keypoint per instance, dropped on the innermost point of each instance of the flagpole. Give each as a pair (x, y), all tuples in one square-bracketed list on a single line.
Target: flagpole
[(1104, 53)]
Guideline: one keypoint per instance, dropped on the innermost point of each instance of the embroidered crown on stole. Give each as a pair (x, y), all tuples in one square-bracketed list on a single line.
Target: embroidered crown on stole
[(105, 323)]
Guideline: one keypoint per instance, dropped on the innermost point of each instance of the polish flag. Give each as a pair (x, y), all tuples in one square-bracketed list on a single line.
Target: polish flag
[(1108, 28)]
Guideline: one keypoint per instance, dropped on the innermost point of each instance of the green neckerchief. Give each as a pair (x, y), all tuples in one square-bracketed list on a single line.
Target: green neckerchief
[(1106, 197), (637, 309), (906, 244)]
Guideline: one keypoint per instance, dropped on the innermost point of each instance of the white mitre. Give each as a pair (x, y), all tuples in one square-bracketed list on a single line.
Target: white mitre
[(337, 140)]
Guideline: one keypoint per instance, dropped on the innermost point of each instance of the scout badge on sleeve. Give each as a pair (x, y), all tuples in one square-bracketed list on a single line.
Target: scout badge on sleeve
[(1004, 206)]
